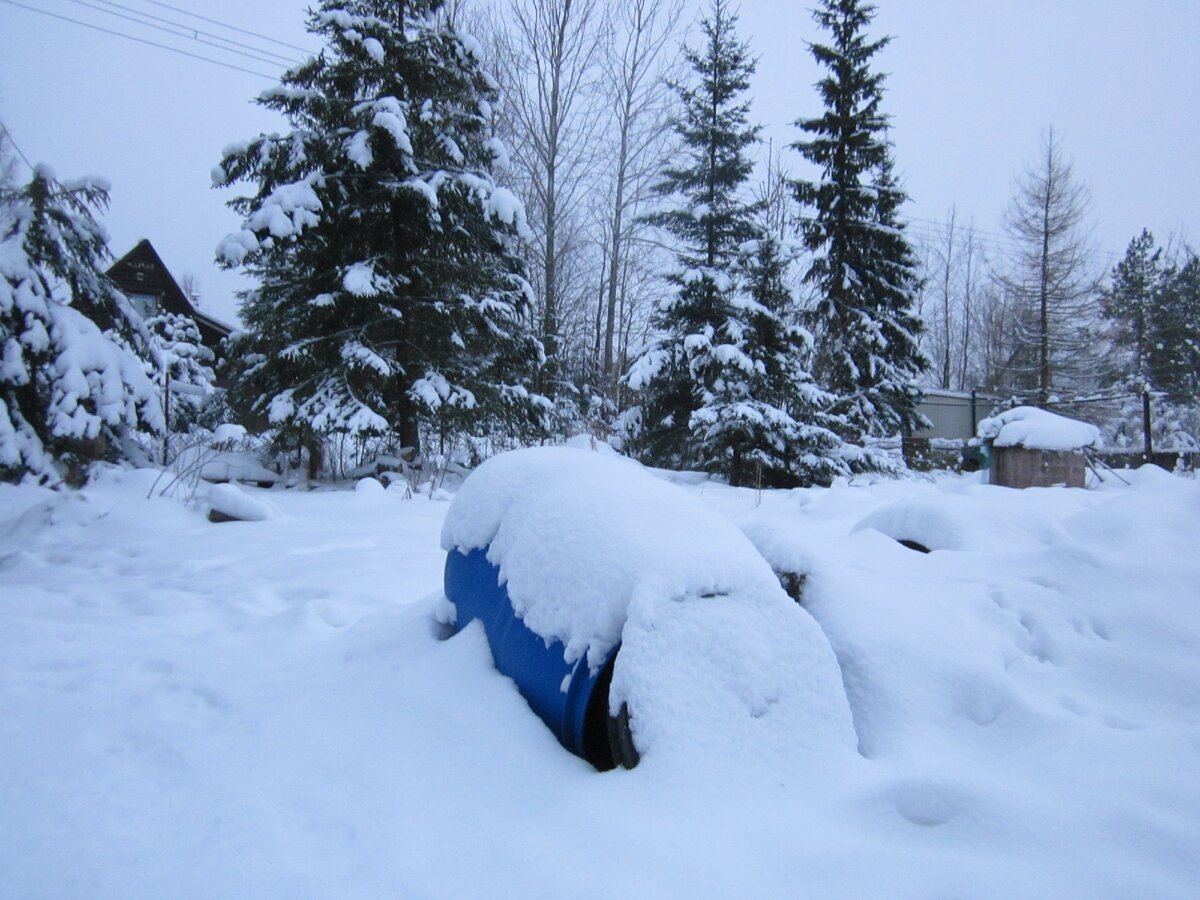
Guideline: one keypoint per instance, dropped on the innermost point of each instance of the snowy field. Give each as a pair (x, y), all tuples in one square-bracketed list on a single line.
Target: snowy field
[(266, 709)]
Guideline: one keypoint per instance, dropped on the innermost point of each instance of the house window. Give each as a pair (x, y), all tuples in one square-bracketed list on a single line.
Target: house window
[(145, 304)]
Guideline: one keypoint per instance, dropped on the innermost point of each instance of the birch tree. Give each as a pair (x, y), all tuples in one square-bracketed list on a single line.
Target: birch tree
[(550, 52), (640, 54)]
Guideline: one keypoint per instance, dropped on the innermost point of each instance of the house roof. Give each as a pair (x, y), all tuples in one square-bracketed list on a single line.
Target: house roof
[(142, 271)]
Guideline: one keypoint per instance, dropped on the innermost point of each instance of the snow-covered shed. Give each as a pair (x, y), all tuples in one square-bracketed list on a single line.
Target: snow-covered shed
[(1033, 447)]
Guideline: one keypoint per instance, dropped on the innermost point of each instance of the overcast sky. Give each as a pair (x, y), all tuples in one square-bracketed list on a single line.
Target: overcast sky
[(972, 86)]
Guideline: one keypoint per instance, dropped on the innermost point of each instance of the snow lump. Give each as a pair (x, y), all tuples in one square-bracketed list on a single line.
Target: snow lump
[(596, 552)]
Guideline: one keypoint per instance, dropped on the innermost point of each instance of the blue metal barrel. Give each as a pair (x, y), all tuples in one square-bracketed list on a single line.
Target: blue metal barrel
[(569, 697)]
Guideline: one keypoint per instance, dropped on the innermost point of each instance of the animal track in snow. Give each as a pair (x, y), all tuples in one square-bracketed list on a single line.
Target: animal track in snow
[(982, 701)]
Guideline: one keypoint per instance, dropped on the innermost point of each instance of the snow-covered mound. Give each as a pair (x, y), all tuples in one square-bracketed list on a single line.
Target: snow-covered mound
[(218, 466), (982, 518), (591, 442), (577, 534), (1032, 693), (1038, 429), (229, 434), (231, 502), (596, 551)]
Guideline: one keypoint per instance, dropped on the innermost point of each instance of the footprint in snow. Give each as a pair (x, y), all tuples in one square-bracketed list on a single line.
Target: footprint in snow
[(928, 803), (982, 701), (996, 595), (329, 614)]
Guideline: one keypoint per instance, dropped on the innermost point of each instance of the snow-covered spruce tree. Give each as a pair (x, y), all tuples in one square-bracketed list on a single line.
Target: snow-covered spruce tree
[(1174, 356), (391, 297), (864, 272), (692, 378), (769, 416), (73, 382), (1128, 308), (187, 368)]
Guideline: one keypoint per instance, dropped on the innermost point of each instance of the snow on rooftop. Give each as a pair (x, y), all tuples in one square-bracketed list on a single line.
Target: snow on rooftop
[(1038, 429)]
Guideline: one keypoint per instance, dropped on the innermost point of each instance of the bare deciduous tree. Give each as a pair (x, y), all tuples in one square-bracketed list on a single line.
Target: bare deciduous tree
[(639, 55), (190, 285), (548, 66), (953, 273), (1051, 275), (8, 159)]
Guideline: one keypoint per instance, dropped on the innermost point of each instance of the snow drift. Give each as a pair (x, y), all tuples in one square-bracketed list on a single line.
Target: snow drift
[(265, 709)]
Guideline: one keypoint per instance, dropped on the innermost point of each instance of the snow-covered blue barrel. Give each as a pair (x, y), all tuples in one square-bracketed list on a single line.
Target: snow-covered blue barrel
[(566, 555), (561, 693)]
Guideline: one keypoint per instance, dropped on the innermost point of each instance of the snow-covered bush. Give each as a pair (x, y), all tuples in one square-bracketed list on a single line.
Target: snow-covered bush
[(187, 368), (73, 368), (1174, 426), (227, 453)]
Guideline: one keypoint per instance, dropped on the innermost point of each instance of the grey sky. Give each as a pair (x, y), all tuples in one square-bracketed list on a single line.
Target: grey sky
[(972, 86)]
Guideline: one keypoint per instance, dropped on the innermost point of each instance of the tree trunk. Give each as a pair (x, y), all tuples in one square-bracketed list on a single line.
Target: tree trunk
[(1044, 311)]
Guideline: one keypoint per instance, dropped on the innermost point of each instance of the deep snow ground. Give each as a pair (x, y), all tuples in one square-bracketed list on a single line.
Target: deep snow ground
[(265, 709)]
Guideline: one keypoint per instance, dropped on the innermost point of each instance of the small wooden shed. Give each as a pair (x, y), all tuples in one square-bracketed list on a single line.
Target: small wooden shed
[(1030, 447)]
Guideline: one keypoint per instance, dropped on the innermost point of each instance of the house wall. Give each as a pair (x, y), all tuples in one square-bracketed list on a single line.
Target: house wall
[(953, 414)]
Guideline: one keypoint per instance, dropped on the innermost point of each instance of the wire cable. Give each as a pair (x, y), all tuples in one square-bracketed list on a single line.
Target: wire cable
[(933, 231), (185, 30), (21, 153), (207, 59), (186, 12), (187, 33)]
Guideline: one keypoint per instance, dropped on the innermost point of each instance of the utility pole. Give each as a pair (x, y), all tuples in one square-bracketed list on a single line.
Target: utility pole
[(1146, 424)]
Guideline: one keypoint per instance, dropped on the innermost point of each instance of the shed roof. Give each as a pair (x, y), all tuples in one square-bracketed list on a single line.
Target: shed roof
[(1038, 429)]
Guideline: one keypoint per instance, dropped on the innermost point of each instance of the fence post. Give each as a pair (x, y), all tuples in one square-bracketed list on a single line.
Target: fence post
[(1146, 426), (166, 412)]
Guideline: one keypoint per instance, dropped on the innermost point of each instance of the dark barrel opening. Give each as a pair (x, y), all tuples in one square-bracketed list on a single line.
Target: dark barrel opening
[(607, 740), (914, 545)]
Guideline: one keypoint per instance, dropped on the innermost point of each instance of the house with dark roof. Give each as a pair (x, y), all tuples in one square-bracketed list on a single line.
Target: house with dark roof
[(143, 278)]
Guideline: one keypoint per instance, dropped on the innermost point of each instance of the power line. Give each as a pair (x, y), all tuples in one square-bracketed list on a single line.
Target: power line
[(998, 235), (227, 25), (12, 140), (186, 31), (207, 59)]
